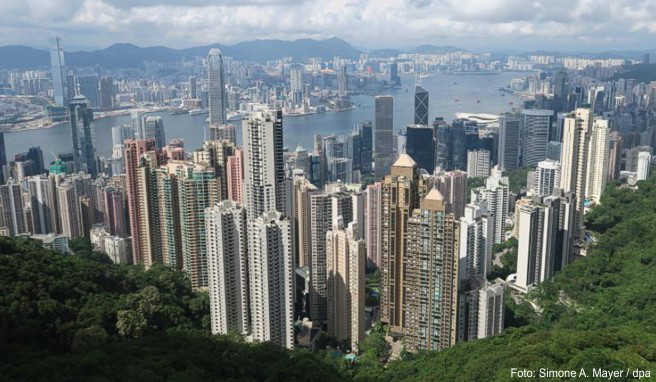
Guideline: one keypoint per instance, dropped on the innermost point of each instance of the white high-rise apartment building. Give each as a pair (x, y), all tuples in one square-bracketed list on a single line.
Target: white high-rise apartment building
[(598, 159), (227, 267), (11, 200), (271, 279), (496, 197), (478, 163), (476, 239), (326, 209), (216, 94), (543, 246), (480, 311), (644, 165), (574, 161), (490, 310), (372, 217), (346, 258), (547, 177), (264, 177)]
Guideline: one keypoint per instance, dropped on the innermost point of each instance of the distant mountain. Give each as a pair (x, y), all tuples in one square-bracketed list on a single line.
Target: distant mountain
[(19, 56), (132, 56)]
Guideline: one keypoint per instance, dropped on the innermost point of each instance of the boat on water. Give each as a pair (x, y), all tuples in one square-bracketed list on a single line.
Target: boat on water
[(178, 111)]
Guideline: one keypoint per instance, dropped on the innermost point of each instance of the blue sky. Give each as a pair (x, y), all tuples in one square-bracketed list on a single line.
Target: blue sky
[(568, 25)]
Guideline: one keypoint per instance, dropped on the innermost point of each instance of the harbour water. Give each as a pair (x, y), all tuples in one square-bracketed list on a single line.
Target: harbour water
[(449, 94)]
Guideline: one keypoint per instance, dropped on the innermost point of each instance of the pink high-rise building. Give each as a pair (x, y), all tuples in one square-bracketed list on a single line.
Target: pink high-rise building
[(235, 170), (115, 217), (453, 186), (133, 150)]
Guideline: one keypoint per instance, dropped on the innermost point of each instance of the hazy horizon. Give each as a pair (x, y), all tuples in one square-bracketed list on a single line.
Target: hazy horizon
[(495, 25)]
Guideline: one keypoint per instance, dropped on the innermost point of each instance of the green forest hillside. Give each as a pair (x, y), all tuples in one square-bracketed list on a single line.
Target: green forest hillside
[(82, 318)]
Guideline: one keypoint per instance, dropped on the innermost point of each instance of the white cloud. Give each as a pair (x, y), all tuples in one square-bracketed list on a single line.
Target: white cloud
[(603, 24)]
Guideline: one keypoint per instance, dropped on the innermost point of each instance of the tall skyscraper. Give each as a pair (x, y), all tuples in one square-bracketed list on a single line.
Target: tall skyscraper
[(271, 279), (134, 149), (547, 176), (168, 203), (614, 156), (325, 209), (342, 82), (216, 93), (13, 216), (384, 110), (153, 127), (560, 91), (58, 69), (574, 161), (509, 141), (644, 165), (43, 204), (421, 106), (235, 176), (149, 227), (69, 210), (115, 212), (89, 89), (496, 195), (476, 240), (365, 132), (227, 258), (598, 158), (215, 154), (453, 187), (106, 93), (420, 146), (264, 177), (486, 316), (303, 191), (372, 222), (478, 163), (399, 197), (3, 158), (429, 283), (296, 84), (346, 260), (539, 242), (534, 126), (84, 154), (193, 87)]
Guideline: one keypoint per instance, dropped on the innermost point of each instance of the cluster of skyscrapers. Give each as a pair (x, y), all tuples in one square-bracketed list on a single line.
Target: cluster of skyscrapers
[(285, 238)]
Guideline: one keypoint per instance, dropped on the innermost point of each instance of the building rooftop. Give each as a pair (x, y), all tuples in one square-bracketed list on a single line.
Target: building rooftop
[(405, 160), (434, 194)]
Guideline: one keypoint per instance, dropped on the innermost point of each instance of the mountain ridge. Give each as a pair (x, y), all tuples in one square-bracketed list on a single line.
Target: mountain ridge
[(128, 55)]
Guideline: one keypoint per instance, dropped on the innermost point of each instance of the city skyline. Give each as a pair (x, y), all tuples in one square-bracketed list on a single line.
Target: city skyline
[(303, 199)]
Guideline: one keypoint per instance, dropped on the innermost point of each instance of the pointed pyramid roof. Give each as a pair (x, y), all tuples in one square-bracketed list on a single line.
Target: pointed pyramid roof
[(434, 194), (433, 201), (405, 160)]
